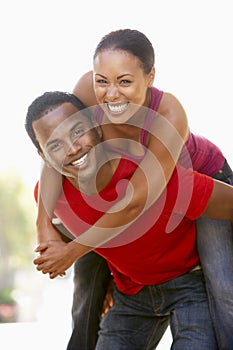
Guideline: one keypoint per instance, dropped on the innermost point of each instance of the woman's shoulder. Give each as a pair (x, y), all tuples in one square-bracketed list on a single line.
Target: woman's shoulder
[(84, 89), (170, 106), (171, 109)]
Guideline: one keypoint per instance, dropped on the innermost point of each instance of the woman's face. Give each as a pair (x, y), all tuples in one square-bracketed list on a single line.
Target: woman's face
[(120, 84)]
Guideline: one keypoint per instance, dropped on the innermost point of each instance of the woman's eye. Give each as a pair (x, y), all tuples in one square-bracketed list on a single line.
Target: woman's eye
[(125, 82), (101, 81)]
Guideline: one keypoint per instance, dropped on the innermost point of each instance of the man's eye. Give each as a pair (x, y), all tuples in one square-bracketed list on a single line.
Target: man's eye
[(54, 146), (78, 132)]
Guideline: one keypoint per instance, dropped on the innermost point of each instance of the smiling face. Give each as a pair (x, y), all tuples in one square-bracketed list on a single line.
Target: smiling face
[(69, 143), (120, 84)]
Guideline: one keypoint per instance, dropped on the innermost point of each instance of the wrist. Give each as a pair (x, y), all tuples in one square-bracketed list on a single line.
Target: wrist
[(77, 250), (47, 232)]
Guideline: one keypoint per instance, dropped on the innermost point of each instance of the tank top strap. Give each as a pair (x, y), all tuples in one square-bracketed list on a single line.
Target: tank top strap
[(98, 114), (156, 96)]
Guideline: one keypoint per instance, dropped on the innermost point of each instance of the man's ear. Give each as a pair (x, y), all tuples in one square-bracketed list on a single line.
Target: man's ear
[(41, 154)]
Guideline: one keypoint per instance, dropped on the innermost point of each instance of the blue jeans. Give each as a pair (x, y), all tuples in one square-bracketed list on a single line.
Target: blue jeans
[(91, 278), (215, 247), (138, 322)]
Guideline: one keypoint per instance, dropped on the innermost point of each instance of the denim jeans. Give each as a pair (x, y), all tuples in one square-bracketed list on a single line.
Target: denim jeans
[(138, 322), (91, 277), (215, 247)]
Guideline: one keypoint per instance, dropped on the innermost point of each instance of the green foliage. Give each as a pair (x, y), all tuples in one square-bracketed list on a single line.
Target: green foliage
[(17, 227), (6, 296)]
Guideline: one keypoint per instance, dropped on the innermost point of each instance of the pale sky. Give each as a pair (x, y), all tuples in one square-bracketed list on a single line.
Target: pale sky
[(48, 44)]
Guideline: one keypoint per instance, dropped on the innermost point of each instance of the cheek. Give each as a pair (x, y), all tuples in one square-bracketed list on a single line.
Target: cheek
[(55, 160), (99, 93)]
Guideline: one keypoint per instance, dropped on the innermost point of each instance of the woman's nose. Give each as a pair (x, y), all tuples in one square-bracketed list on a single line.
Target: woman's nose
[(112, 92)]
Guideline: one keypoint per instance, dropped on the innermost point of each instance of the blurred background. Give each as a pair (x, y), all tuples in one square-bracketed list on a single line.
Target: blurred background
[(47, 45)]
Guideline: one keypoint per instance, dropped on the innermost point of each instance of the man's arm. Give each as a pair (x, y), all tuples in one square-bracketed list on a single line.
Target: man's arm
[(47, 197)]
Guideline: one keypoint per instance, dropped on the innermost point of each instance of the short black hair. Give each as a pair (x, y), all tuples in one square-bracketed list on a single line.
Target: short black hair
[(45, 104)]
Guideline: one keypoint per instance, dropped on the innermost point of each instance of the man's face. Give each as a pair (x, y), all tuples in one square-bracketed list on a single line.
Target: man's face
[(69, 142)]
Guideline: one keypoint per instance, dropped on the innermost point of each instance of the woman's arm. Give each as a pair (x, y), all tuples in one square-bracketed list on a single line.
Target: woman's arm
[(220, 204), (84, 89), (60, 256), (168, 135), (165, 142)]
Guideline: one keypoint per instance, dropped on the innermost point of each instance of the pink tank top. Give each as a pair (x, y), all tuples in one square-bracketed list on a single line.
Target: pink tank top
[(205, 156)]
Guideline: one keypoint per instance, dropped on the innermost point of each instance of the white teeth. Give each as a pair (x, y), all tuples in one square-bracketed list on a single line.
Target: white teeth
[(118, 108), (80, 161)]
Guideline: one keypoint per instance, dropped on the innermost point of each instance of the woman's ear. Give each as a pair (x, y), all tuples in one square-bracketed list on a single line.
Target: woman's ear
[(151, 77)]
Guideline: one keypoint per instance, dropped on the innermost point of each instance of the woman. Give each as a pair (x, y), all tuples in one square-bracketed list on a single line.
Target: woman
[(123, 75)]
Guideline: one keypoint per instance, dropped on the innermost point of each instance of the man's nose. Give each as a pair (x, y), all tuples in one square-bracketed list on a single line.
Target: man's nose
[(73, 147), (112, 92)]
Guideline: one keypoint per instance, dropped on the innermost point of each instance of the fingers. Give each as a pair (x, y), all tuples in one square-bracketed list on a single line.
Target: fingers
[(42, 246), (52, 274)]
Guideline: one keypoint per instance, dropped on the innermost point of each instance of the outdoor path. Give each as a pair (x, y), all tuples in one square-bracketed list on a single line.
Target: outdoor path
[(37, 336), (45, 315)]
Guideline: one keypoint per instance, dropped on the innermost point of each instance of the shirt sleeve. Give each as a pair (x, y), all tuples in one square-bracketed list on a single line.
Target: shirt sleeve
[(202, 189)]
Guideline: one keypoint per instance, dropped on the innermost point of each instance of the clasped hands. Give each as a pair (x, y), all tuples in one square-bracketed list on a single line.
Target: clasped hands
[(56, 256)]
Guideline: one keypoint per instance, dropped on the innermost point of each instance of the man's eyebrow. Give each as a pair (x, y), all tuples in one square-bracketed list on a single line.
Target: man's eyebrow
[(75, 125), (51, 142), (72, 129)]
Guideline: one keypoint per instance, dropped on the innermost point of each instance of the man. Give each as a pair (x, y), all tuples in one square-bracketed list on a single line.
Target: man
[(156, 274)]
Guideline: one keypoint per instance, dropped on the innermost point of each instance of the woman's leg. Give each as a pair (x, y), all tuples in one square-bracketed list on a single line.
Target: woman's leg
[(215, 247), (91, 278)]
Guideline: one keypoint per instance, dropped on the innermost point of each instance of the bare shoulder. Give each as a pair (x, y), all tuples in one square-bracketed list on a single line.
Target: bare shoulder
[(84, 89), (171, 108)]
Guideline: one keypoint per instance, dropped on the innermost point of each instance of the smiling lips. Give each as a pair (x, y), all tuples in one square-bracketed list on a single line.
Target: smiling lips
[(117, 108), (80, 161)]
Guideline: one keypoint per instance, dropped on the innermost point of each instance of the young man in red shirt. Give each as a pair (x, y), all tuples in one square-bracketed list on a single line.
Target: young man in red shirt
[(154, 261)]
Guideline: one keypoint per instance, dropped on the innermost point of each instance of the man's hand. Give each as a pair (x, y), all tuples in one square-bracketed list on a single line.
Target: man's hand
[(54, 258), (58, 256)]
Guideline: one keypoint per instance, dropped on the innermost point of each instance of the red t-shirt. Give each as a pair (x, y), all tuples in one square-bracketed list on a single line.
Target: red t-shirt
[(161, 244)]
